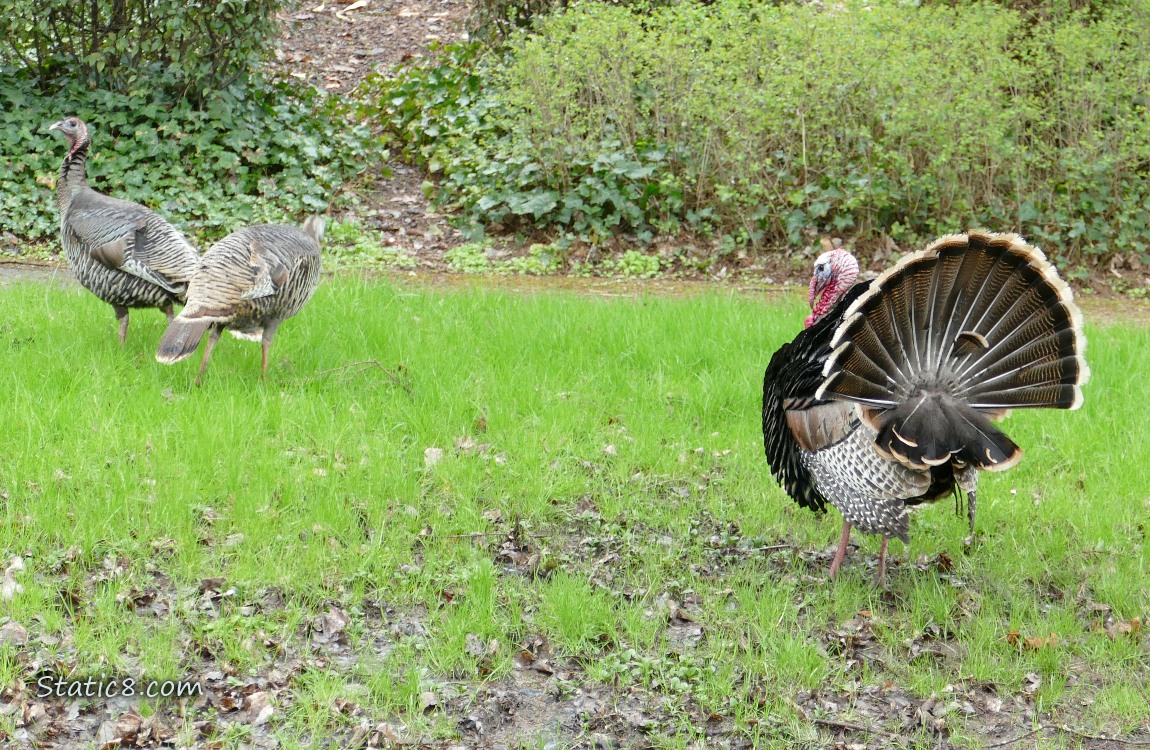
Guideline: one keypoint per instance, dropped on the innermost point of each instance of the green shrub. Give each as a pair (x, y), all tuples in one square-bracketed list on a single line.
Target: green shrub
[(190, 49), (775, 123), (255, 153)]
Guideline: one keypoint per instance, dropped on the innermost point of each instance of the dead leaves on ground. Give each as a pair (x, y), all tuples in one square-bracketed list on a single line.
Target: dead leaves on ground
[(1034, 643)]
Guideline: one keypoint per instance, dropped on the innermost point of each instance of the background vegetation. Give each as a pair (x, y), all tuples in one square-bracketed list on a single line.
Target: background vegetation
[(754, 124), (190, 49), (769, 124), (181, 119)]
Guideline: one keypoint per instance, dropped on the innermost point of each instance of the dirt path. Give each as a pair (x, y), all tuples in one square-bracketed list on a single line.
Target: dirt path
[(334, 46)]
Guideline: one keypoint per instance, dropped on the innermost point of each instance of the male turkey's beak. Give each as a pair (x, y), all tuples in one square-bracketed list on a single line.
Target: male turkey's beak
[(818, 284), (57, 125)]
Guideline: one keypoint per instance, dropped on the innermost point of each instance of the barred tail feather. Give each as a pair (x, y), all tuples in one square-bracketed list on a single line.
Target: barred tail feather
[(181, 339), (949, 337)]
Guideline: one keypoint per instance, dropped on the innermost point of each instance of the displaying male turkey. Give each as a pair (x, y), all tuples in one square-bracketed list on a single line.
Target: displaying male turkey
[(121, 251), (249, 282), (885, 400)]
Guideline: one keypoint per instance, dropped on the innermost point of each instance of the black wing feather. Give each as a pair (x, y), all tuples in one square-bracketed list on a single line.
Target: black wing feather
[(793, 376)]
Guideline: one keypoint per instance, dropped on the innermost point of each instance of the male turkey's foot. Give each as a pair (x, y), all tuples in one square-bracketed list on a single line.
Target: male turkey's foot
[(122, 317), (841, 552), (880, 571), (971, 506)]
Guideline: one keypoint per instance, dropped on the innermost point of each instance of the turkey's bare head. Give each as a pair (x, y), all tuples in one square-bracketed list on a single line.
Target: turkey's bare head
[(835, 272), (74, 130)]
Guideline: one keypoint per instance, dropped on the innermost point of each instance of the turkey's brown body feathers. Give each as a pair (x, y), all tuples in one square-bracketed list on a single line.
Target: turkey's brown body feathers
[(249, 282), (123, 252)]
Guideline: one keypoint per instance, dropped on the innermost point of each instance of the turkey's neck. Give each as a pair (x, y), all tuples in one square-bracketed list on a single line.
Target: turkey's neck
[(73, 174)]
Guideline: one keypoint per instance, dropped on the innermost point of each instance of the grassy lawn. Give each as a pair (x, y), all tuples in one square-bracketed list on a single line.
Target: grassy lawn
[(599, 546)]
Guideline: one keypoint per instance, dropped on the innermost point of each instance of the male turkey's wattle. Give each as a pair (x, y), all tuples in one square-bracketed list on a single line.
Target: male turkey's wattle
[(121, 251), (249, 282), (885, 400)]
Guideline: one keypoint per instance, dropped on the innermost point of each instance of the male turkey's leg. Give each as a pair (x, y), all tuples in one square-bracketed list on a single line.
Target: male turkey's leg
[(841, 552), (213, 337), (968, 482), (266, 342), (169, 311), (880, 571), (122, 317)]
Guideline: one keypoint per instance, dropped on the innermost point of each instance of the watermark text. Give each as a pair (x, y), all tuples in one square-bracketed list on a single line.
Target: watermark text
[(51, 686)]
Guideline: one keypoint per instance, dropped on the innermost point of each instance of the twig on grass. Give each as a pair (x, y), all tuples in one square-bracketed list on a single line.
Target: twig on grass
[(1085, 736), (1067, 730), (477, 534), (1012, 740), (367, 364), (832, 724)]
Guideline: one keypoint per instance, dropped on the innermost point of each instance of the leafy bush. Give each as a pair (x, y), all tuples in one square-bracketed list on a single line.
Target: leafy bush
[(773, 123), (190, 49), (255, 153), (444, 113)]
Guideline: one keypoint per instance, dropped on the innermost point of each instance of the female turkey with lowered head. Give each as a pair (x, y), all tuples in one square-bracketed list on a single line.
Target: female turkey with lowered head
[(250, 282)]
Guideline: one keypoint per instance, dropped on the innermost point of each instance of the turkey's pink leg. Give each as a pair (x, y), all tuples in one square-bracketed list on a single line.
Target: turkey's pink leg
[(213, 337), (266, 343), (122, 318), (842, 550), (880, 572)]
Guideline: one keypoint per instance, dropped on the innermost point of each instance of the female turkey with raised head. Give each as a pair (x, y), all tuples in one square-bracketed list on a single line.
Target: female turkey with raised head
[(885, 400), (121, 251), (249, 282)]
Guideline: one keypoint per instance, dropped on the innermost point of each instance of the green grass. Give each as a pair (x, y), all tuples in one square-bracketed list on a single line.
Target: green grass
[(312, 490)]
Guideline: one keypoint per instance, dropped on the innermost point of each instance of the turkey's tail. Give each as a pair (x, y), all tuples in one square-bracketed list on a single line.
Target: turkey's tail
[(314, 225), (953, 336), (181, 339)]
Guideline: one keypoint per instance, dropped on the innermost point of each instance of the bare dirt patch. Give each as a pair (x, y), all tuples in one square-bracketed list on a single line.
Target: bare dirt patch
[(334, 46)]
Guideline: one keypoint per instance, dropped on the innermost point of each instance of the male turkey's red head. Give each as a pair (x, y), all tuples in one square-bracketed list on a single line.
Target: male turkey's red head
[(834, 273), (74, 130)]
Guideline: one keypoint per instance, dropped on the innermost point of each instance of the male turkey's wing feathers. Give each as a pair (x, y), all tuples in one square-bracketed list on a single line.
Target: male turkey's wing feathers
[(793, 419), (817, 426)]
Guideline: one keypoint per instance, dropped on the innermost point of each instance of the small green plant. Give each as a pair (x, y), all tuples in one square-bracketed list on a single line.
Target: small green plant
[(348, 244), (635, 264), (540, 260), (470, 257)]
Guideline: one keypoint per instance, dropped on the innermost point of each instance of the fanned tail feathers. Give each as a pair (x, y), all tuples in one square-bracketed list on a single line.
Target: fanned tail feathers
[(952, 337), (181, 339)]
